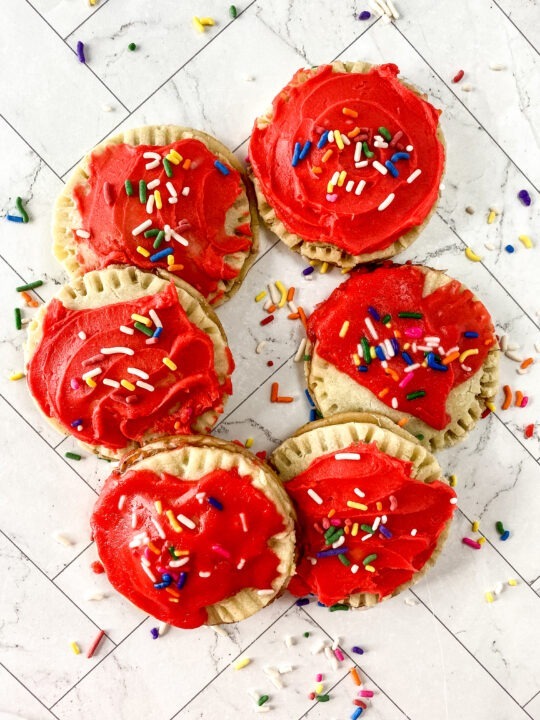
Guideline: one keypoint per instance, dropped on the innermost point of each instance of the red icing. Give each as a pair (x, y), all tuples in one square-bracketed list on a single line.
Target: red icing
[(447, 313), (211, 195), (113, 533), (178, 399), (302, 111), (417, 505)]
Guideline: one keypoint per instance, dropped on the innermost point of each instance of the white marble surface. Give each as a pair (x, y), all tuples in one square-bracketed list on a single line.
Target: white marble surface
[(439, 652)]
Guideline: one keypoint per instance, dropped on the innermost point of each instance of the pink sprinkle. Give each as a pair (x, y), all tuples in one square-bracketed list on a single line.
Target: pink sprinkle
[(152, 341), (108, 193), (471, 543), (221, 551), (94, 359), (407, 379), (413, 332), (335, 522), (325, 523), (74, 384), (366, 693), (393, 502), (146, 553), (332, 197), (340, 656), (524, 401), (319, 677)]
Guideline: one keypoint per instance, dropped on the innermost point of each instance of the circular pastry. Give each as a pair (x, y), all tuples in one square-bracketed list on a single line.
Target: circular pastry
[(160, 196), (120, 357), (347, 163), (409, 342), (372, 512), (195, 530)]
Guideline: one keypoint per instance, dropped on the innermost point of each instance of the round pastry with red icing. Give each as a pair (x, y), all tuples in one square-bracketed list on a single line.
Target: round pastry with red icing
[(409, 342), (120, 357), (347, 163), (155, 197), (195, 530), (373, 511)]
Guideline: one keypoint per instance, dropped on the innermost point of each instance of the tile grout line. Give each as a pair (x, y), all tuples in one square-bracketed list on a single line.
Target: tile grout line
[(530, 701), (77, 556), (27, 689), (480, 124), (10, 266), (25, 141), (536, 460), (507, 16), (102, 4)]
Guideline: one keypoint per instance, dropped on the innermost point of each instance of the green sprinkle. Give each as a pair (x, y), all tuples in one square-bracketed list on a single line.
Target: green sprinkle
[(159, 239), (262, 700), (385, 133), (419, 436), (416, 394), (322, 698), (413, 315), (367, 529), (21, 209), (369, 558), (307, 358), (365, 350), (29, 286), (172, 551), (73, 456), (338, 606), (233, 12), (306, 634), (168, 167), (500, 527), (142, 191), (344, 560), (143, 329), (386, 319), (129, 187), (132, 47), (367, 151), (151, 233), (18, 320)]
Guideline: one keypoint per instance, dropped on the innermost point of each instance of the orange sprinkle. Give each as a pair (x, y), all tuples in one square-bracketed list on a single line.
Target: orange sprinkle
[(355, 677), (331, 513), (393, 374), (153, 548), (346, 530), (450, 358), (349, 112), (383, 392), (290, 294), (525, 364), (172, 591), (175, 267), (303, 317), (316, 170), (378, 505), (518, 398), (186, 164), (177, 425), (507, 397), (293, 316), (274, 392), (271, 308), (326, 155), (354, 132), (284, 399), (29, 300), (403, 421)]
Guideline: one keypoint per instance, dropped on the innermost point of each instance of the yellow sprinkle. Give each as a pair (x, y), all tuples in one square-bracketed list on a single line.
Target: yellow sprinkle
[(354, 531), (407, 346), (338, 139), (452, 480), (372, 353), (512, 582), (91, 382), (158, 506), (157, 196), (331, 513), (489, 597), (369, 568), (481, 540), (127, 385), (378, 505), (383, 392), (283, 290), (143, 251), (475, 526), (169, 363), (356, 359), (344, 329), (490, 405), (142, 319), (467, 353), (356, 505), (526, 240), (198, 24), (319, 687), (76, 649), (174, 523), (249, 442), (324, 268), (260, 296), (207, 21), (341, 179), (239, 664), (469, 252), (16, 376), (329, 188), (170, 259), (344, 271), (491, 217), (174, 157)]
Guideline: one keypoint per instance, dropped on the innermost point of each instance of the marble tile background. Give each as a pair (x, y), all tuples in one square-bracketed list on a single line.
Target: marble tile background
[(438, 652)]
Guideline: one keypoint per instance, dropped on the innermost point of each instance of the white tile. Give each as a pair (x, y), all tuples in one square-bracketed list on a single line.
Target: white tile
[(66, 15), (520, 12), (533, 707), (16, 699)]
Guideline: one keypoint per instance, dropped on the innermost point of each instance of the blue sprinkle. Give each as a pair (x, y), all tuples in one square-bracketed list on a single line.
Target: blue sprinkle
[(400, 156), (296, 154), (433, 364), (215, 503), (357, 650), (380, 353), (221, 167), (157, 332), (302, 601), (320, 604), (356, 714), (14, 218), (505, 535), (408, 359), (374, 314), (362, 368), (161, 585), (310, 399), (392, 168), (305, 150), (166, 578), (181, 580), (75, 423), (323, 139), (161, 254), (312, 415), (308, 270), (510, 249), (470, 334), (364, 15), (395, 345), (385, 532), (154, 632), (334, 551)]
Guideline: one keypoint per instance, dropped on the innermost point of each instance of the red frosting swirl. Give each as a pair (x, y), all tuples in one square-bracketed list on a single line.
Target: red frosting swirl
[(452, 322), (356, 104), (167, 402), (174, 570), (408, 517), (199, 217)]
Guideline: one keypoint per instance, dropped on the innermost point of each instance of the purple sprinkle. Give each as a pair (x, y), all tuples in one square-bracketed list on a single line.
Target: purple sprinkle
[(302, 601), (334, 551), (181, 580), (215, 503), (357, 650), (385, 532), (80, 51), (77, 422), (364, 15), (374, 314), (308, 271), (154, 632), (525, 198)]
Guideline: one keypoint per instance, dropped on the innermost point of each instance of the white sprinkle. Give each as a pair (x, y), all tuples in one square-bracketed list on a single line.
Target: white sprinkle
[(266, 592), (358, 492), (384, 520), (514, 356), (381, 144), (220, 630), (138, 373), (453, 501), (163, 628), (94, 596), (158, 528), (361, 164), (317, 647), (335, 643), (313, 495), (145, 385), (111, 383), (200, 497), (498, 588), (345, 139), (377, 165), (331, 658), (393, 10), (179, 563), (133, 519), (357, 152), (82, 234), (149, 572), (497, 66), (107, 108), (121, 502), (292, 307), (260, 346), (117, 350), (413, 532), (371, 328), (361, 185), (347, 456), (412, 368), (155, 160), (179, 238), (339, 542), (300, 352), (409, 148), (288, 640), (92, 373), (142, 227), (284, 669), (204, 574), (335, 178), (366, 537), (466, 87), (513, 346), (170, 187), (395, 403), (173, 200), (153, 184), (186, 521), (349, 186), (62, 539), (331, 136), (241, 564), (150, 205), (273, 674), (385, 203), (185, 191), (243, 521), (354, 569), (389, 348), (412, 177), (126, 330), (376, 523), (489, 246), (82, 335)]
